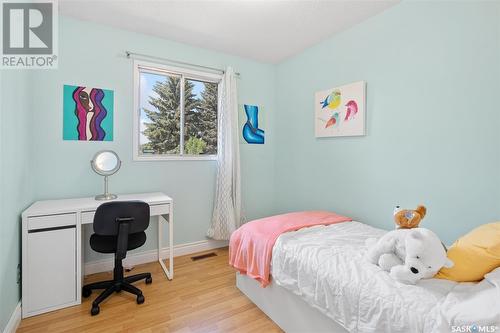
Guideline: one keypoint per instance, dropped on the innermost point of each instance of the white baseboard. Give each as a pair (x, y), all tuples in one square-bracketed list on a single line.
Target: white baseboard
[(14, 321), (150, 256)]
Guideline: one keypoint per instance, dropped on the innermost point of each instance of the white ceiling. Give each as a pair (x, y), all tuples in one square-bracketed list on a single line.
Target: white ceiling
[(268, 31)]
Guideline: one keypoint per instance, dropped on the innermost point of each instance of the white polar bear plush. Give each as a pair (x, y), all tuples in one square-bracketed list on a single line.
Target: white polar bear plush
[(408, 254)]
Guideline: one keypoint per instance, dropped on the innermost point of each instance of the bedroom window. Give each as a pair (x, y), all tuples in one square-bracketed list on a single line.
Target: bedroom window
[(176, 113)]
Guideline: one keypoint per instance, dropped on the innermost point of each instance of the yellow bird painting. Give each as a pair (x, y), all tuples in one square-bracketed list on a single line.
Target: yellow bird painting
[(332, 101)]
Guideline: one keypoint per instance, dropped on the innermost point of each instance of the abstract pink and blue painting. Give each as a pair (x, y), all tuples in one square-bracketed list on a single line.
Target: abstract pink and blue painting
[(340, 111), (87, 113)]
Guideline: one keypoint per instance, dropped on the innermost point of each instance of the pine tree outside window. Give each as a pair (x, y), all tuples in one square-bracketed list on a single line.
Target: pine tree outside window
[(176, 113)]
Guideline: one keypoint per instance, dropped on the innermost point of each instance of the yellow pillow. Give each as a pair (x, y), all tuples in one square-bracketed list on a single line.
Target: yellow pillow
[(474, 254)]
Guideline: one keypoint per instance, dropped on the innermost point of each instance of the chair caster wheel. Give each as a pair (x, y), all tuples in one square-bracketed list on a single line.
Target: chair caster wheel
[(149, 280), (140, 299), (95, 310), (86, 292)]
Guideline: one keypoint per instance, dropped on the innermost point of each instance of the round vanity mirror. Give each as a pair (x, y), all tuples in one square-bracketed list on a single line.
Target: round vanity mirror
[(106, 163)]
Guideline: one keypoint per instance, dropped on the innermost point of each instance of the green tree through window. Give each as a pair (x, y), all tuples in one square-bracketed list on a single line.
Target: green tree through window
[(161, 116)]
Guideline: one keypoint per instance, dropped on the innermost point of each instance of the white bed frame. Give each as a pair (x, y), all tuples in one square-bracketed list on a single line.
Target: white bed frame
[(286, 309)]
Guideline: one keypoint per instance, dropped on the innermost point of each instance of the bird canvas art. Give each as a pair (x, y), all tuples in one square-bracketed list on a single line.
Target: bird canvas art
[(341, 111)]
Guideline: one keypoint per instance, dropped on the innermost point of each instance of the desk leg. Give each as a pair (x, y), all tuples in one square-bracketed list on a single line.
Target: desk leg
[(161, 219)]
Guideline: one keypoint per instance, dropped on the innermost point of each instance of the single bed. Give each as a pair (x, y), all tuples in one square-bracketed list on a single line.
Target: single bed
[(321, 283)]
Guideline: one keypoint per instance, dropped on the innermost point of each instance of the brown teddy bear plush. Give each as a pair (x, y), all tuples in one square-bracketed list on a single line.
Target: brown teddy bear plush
[(408, 218)]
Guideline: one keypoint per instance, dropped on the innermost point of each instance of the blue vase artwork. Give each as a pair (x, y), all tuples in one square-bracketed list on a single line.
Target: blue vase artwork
[(251, 132)]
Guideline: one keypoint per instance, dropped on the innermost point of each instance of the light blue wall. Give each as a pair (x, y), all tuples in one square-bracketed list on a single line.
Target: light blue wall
[(433, 129), (93, 55), (15, 180)]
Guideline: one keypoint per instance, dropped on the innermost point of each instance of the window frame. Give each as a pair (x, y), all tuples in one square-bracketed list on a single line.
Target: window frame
[(184, 73)]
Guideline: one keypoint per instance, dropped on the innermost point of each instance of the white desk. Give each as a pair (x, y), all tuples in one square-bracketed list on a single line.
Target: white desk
[(52, 248)]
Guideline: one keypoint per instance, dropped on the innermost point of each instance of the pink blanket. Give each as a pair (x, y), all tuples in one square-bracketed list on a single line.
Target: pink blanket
[(251, 246)]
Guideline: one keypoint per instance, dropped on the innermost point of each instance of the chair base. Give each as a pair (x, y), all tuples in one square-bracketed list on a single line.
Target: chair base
[(116, 285)]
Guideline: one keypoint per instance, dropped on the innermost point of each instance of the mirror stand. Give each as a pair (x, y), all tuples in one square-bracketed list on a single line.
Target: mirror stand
[(106, 195), (105, 163)]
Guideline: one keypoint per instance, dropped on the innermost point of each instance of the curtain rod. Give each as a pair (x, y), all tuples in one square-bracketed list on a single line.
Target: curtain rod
[(132, 54)]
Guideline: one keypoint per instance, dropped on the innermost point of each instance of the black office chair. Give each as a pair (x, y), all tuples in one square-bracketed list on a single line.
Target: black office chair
[(118, 227)]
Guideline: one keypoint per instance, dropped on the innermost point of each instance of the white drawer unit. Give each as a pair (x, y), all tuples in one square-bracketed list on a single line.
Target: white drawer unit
[(52, 288), (155, 210), (51, 221), (88, 217), (52, 248), (49, 266)]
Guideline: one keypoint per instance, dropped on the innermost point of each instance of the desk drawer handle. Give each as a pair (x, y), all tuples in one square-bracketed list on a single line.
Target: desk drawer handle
[(51, 229)]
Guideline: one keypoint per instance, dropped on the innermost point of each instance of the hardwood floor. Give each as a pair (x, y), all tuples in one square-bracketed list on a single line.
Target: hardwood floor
[(202, 297)]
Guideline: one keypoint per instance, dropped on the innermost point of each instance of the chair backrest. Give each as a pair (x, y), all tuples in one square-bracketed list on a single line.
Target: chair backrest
[(109, 215)]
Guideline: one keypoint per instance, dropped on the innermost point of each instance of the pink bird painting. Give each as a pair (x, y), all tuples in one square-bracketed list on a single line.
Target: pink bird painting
[(351, 110)]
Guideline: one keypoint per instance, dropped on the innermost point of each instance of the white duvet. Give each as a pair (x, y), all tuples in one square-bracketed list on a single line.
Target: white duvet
[(324, 265)]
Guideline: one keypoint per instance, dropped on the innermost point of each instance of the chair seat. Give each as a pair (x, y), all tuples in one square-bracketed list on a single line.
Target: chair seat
[(107, 244)]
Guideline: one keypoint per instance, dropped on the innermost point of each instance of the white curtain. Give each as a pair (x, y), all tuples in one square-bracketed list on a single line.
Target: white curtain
[(226, 216)]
